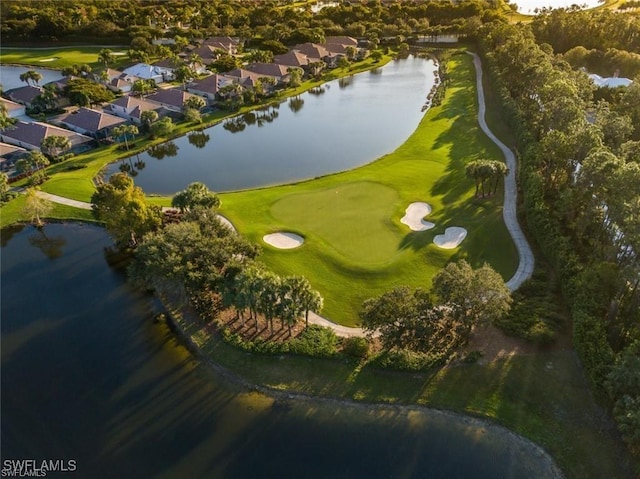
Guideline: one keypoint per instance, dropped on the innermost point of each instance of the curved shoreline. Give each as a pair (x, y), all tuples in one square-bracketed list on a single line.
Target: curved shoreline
[(506, 436)]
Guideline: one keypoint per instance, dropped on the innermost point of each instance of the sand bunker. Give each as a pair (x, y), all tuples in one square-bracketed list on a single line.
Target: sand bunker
[(451, 238), (118, 54), (48, 59), (283, 240), (415, 213)]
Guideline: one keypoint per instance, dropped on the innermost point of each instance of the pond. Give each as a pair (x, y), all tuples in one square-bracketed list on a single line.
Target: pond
[(87, 376), (337, 126), (530, 7), (10, 76)]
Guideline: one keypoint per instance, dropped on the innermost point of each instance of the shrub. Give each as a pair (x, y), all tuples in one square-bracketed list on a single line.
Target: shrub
[(406, 360), (356, 347), (472, 357), (315, 341)]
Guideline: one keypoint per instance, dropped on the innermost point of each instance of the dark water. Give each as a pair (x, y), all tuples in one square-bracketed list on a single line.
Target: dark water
[(341, 125), (87, 376)]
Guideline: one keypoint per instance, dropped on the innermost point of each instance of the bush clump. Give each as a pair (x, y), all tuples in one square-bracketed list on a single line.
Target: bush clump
[(356, 347), (315, 341)]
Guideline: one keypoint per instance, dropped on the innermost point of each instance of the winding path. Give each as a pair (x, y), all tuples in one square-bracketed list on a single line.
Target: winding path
[(526, 259)]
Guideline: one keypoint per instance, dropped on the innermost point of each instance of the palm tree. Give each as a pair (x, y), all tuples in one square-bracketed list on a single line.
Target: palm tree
[(106, 56), (55, 145), (124, 130), (31, 75)]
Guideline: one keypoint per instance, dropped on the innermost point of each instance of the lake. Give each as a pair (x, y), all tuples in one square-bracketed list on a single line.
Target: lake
[(338, 126), (88, 376), (529, 7), (10, 76)]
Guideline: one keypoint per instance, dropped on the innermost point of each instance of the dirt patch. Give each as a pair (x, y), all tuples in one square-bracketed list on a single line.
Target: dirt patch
[(494, 344)]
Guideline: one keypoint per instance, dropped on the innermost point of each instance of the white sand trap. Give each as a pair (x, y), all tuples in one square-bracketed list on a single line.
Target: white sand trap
[(283, 240), (47, 59), (414, 215), (451, 238), (118, 54)]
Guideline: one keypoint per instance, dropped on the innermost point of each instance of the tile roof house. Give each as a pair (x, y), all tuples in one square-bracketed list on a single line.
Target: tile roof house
[(292, 59), (7, 150), (208, 87), (172, 98), (270, 69), (29, 135), (24, 94), (342, 40), (120, 84), (97, 124), (131, 107), (246, 78), (14, 109), (313, 51), (226, 44), (166, 67)]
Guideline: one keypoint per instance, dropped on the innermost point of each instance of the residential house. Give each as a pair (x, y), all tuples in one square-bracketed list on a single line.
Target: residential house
[(145, 72), (609, 82), (97, 124), (275, 70), (29, 135), (209, 87), (8, 155), (207, 54), (172, 98), (292, 58), (14, 110), (130, 108), (120, 85), (342, 40), (166, 68), (249, 79), (24, 94), (228, 45)]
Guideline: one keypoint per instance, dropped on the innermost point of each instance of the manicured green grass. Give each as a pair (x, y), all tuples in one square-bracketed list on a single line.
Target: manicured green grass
[(63, 56), (355, 245), (12, 213)]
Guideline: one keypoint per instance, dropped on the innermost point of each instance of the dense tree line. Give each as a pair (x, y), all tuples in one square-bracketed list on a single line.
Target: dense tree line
[(580, 175), (141, 21)]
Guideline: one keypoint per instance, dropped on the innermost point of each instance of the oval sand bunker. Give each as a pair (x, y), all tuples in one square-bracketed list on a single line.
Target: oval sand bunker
[(414, 215), (451, 238), (283, 240)]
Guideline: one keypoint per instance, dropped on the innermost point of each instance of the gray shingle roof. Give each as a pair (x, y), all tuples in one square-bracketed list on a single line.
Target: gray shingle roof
[(91, 120)]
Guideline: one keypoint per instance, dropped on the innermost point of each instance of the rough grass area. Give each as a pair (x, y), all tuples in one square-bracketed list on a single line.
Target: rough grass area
[(355, 246), (12, 213), (541, 395)]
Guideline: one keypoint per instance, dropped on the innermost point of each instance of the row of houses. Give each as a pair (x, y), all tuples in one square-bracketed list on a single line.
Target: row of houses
[(84, 125)]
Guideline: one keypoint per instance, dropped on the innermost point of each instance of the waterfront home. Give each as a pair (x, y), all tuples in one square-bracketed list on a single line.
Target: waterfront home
[(250, 79), (24, 94), (29, 135), (292, 59), (208, 87), (130, 108), (172, 98), (13, 109), (97, 124), (278, 71)]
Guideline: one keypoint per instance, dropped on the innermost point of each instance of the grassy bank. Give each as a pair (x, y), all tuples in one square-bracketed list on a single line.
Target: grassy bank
[(542, 396), (355, 245)]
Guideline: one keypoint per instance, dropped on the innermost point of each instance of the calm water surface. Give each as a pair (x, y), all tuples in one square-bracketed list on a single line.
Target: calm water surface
[(341, 125), (529, 7), (88, 376), (10, 76)]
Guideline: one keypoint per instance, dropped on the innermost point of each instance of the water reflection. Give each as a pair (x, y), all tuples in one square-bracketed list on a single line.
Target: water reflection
[(318, 90), (199, 139), (295, 104), (88, 375), (164, 150), (345, 82), (51, 246)]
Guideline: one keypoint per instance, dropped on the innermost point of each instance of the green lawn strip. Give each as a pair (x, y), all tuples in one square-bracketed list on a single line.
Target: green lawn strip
[(63, 57), (12, 213), (542, 396), (355, 245)]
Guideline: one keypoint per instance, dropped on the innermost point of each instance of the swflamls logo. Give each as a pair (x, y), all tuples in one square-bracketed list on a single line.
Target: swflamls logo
[(35, 468)]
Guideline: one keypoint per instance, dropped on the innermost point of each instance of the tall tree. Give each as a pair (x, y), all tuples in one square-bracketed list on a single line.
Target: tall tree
[(124, 210), (197, 195), (55, 145), (106, 56), (36, 207), (31, 75)]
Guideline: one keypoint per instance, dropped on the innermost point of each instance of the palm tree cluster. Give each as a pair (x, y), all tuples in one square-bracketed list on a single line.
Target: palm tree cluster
[(260, 291), (486, 172)]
